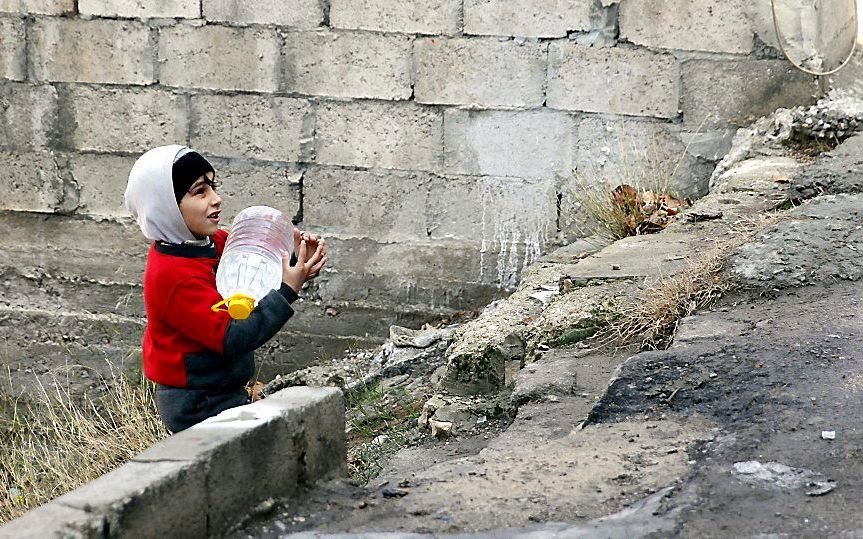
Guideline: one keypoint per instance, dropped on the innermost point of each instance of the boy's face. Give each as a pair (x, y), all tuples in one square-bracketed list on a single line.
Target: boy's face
[(201, 207)]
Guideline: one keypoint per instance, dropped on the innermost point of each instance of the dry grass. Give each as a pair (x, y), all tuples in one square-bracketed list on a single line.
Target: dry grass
[(650, 321), (57, 443), (597, 196)]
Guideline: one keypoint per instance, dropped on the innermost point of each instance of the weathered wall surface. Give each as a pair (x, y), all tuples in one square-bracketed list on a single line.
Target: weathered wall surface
[(431, 142)]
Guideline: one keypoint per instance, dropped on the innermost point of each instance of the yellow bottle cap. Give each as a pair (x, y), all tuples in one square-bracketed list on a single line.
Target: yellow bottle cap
[(239, 306)]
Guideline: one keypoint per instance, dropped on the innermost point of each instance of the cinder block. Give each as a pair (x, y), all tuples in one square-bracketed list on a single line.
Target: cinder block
[(31, 182), (38, 7), (493, 211), (101, 180), (176, 9), (718, 93), (219, 58), (384, 205), (13, 57), (72, 247), (613, 80), (392, 206), (28, 115), (526, 18), (647, 154), (432, 17), (379, 135), (299, 14), (256, 126), (441, 272), (141, 499), (703, 25), (129, 120), (103, 51), (479, 72), (348, 64), (529, 144), (247, 184)]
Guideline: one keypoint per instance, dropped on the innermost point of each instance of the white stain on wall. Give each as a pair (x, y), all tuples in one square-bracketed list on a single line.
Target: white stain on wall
[(518, 219)]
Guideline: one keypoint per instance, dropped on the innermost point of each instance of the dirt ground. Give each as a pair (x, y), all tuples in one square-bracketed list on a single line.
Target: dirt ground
[(748, 425)]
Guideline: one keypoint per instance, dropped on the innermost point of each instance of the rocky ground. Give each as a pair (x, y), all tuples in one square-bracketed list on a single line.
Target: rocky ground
[(746, 425)]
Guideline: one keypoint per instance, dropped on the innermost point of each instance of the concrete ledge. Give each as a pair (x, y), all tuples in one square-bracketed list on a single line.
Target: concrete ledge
[(196, 483)]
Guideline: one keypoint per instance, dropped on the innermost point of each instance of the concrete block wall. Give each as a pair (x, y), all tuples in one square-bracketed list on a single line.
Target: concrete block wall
[(433, 142)]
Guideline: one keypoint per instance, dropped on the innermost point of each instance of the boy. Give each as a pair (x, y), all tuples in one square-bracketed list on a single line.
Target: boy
[(200, 360)]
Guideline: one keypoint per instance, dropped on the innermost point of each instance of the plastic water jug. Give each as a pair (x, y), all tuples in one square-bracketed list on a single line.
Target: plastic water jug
[(251, 263)]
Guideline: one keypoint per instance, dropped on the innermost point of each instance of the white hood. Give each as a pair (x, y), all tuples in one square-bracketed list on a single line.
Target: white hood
[(150, 195)]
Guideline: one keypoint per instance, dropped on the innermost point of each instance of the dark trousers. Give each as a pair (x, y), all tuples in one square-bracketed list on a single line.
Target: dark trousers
[(181, 408)]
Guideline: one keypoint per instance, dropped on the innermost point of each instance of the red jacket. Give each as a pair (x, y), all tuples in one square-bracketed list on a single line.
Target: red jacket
[(186, 344)]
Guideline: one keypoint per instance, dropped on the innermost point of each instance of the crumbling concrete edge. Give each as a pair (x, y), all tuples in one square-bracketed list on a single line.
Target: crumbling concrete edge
[(200, 481)]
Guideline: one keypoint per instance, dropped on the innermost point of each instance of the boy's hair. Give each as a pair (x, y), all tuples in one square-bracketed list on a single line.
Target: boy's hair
[(186, 170)]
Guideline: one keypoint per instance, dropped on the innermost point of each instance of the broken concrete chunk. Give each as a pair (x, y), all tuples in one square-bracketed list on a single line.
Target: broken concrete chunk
[(440, 429), (414, 338)]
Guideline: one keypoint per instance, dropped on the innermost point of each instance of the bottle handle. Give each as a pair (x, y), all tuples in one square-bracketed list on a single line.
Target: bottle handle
[(238, 306)]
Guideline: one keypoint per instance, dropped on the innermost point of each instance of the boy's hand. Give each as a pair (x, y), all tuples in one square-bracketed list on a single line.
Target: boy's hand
[(307, 266), (312, 241)]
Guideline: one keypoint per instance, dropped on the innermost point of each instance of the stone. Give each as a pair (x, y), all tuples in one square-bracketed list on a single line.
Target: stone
[(13, 58), (219, 58), (75, 50), (261, 127), (38, 7), (348, 64), (522, 144), (479, 72), (414, 338), (378, 135), (176, 9), (703, 25), (709, 145), (101, 180), (130, 120), (545, 378), (718, 93), (612, 80), (28, 115), (298, 14), (437, 17), (527, 18), (31, 182), (440, 429)]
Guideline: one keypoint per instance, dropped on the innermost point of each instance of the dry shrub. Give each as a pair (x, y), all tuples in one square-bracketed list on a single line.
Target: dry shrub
[(58, 443), (637, 199), (650, 322)]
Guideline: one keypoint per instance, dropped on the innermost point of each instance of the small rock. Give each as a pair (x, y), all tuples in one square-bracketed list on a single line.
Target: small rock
[(395, 492), (615, 267), (440, 429)]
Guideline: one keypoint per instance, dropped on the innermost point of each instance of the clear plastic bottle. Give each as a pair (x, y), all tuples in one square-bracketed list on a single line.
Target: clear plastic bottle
[(251, 263)]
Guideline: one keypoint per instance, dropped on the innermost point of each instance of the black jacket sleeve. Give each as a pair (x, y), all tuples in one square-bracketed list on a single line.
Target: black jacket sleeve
[(266, 319)]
